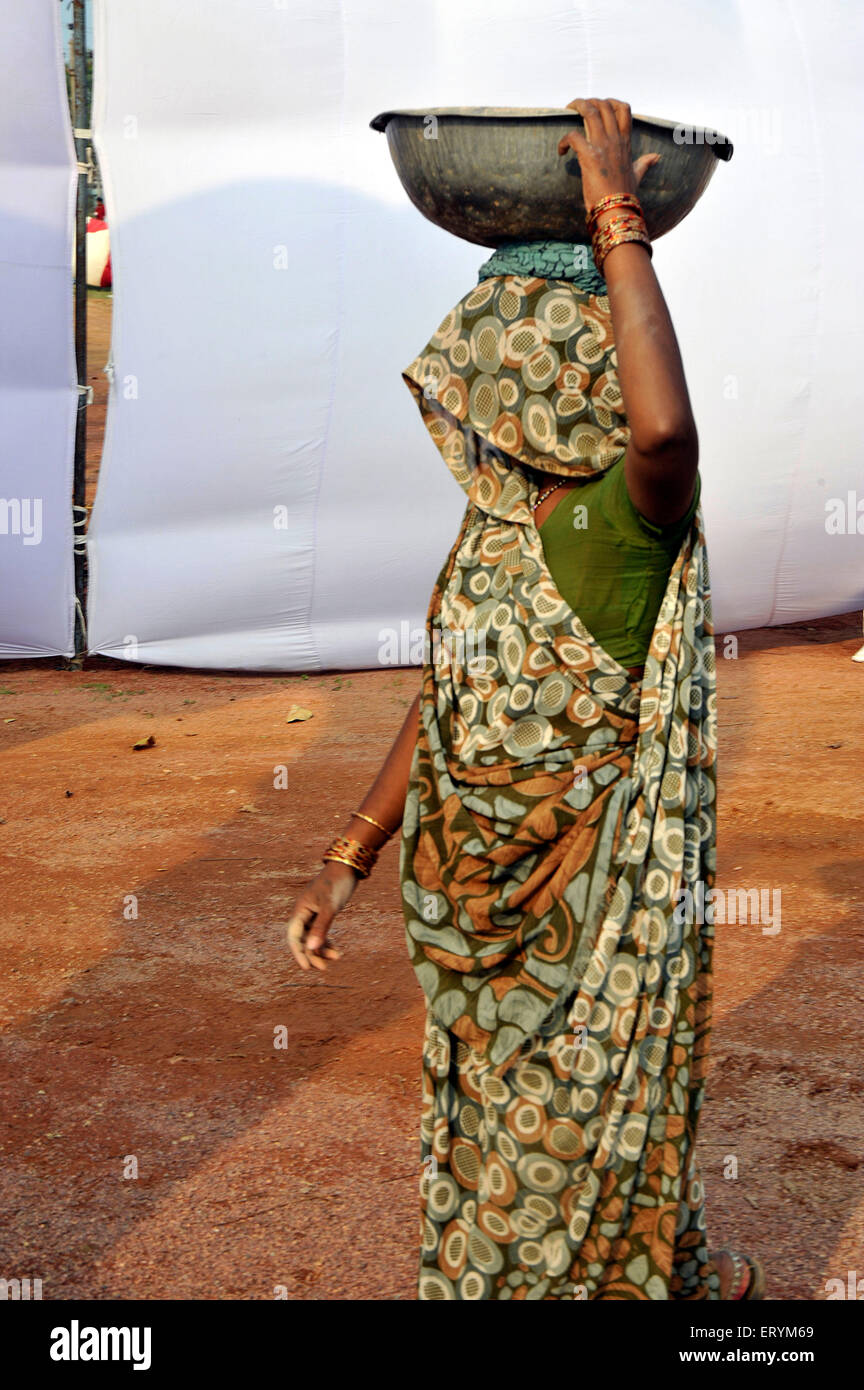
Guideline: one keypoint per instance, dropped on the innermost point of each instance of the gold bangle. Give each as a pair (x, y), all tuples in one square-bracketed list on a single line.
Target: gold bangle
[(361, 815), (601, 253), (363, 854), (347, 851), (628, 227), (338, 858), (615, 224), (612, 200)]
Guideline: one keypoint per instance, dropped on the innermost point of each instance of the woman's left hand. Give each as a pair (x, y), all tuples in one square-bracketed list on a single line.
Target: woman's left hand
[(603, 149)]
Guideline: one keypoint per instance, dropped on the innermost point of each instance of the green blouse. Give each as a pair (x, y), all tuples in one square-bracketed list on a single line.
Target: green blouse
[(610, 563)]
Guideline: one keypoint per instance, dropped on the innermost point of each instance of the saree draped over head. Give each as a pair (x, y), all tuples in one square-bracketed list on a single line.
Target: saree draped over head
[(556, 811)]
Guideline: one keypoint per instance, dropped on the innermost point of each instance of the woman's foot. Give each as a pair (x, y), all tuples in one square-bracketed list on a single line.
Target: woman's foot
[(741, 1276)]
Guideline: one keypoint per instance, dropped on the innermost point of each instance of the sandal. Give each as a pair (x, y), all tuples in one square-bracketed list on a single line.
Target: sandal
[(748, 1276)]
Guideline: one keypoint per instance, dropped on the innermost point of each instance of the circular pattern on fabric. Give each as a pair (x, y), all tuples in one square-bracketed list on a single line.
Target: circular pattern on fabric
[(511, 393), (531, 1253), (435, 1287), (465, 1160), (543, 1208), (478, 585), (653, 974), (507, 1147), (494, 1223), (538, 422), (559, 314), (533, 1082), (500, 1180), (479, 296), (452, 395), (578, 1227), (682, 967), (653, 1055), (657, 888), (563, 1139), (510, 302), (494, 1088), (484, 1253), (669, 840), (553, 695), (473, 1286), (453, 1250), (488, 340), (469, 1121), (561, 1100), (541, 369), (483, 405), (527, 1223), (584, 1100), (448, 330), (526, 1120), (623, 980), (527, 737), (584, 710), (541, 1173), (624, 1022), (521, 698), (442, 1197), (522, 340)]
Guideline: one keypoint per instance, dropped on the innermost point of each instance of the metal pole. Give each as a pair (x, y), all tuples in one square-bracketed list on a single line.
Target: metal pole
[(81, 117)]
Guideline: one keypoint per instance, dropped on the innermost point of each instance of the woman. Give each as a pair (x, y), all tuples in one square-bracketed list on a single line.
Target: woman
[(555, 782)]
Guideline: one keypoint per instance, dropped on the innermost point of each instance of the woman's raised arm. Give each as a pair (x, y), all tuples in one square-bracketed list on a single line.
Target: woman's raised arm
[(663, 453)]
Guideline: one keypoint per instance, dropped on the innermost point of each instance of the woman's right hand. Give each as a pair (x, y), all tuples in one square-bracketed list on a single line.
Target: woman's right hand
[(602, 147), (314, 911)]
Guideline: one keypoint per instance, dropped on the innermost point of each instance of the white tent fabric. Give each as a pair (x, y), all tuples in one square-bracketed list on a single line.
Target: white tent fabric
[(38, 381), (269, 497)]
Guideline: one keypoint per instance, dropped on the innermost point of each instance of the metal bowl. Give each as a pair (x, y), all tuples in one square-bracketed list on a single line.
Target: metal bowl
[(493, 174)]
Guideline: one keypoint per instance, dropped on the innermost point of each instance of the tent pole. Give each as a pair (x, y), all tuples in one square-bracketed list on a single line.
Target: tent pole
[(81, 123)]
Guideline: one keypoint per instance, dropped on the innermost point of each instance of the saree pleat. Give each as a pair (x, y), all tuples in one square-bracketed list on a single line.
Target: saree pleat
[(555, 813)]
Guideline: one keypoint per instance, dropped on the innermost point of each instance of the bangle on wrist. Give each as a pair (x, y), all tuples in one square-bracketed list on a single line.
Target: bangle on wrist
[(607, 204), (361, 815), (358, 857), (626, 224)]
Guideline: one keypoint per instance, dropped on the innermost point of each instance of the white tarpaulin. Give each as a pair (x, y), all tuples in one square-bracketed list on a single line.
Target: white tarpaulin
[(38, 381), (269, 496)]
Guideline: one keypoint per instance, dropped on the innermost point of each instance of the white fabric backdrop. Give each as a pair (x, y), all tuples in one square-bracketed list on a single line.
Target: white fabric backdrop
[(228, 130), (38, 382)]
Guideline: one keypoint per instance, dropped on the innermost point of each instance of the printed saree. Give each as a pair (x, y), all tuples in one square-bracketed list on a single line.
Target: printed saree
[(555, 810)]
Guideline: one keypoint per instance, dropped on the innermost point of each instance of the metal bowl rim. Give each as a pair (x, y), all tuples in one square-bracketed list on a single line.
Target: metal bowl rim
[(481, 113)]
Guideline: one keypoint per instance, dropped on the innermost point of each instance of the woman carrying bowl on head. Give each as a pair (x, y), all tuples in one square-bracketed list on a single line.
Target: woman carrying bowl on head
[(555, 781)]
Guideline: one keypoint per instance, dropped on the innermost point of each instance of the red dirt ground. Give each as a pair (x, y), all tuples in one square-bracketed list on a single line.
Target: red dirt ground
[(153, 1035)]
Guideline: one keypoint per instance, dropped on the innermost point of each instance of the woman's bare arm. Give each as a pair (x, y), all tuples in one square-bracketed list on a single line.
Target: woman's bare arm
[(331, 889), (385, 799), (663, 453)]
